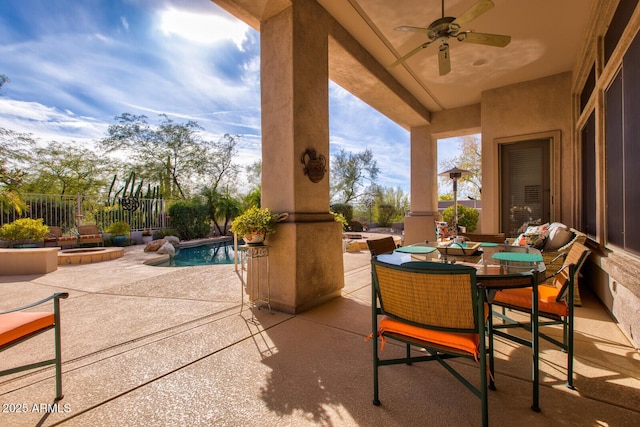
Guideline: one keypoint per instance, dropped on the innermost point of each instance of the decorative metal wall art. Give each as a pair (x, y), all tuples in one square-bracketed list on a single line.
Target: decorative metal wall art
[(314, 165)]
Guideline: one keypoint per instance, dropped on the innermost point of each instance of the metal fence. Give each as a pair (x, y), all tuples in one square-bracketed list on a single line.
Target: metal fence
[(70, 211)]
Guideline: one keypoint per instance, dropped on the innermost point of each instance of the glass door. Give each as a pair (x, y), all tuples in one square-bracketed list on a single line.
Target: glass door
[(525, 192)]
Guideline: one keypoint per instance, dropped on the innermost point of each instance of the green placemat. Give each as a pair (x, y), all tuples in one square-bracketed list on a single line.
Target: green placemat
[(416, 249), (517, 257), (488, 244)]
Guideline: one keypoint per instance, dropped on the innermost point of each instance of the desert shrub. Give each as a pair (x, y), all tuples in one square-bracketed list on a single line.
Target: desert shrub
[(344, 209), (385, 215), (190, 219), (163, 232), (467, 217), (24, 229), (355, 226)]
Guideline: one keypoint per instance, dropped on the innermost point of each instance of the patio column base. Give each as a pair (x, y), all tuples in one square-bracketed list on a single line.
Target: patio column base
[(419, 226), (306, 265)]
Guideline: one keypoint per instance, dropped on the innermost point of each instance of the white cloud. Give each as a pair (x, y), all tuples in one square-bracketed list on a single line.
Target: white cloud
[(202, 28), (46, 124)]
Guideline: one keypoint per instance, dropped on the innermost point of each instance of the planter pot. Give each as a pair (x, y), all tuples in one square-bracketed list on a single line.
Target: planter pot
[(146, 239), (28, 243), (118, 240), (255, 238), (26, 246)]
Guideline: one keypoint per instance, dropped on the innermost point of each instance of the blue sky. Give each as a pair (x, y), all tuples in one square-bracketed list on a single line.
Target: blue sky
[(75, 65)]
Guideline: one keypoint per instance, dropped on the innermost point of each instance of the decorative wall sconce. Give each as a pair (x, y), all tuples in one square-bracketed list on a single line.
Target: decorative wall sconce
[(314, 165)]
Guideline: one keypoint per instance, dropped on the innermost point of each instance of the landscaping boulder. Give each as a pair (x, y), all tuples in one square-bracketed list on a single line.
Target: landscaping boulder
[(154, 245), (168, 249), (175, 241)]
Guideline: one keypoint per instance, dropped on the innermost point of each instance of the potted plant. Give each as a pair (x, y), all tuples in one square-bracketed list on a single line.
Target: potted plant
[(24, 232), (254, 224), (119, 232)]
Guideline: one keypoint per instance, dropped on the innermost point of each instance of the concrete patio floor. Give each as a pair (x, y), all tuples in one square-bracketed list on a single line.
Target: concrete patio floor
[(160, 346)]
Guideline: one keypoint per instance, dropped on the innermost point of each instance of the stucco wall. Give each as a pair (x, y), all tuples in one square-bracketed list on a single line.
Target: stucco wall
[(531, 107)]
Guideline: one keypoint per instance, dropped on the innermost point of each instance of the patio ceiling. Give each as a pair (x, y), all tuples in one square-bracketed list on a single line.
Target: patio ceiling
[(546, 38)]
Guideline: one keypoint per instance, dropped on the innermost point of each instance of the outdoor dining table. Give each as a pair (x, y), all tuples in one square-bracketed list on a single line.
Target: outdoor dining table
[(509, 263)]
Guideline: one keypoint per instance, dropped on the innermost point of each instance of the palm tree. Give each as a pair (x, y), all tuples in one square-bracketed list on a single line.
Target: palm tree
[(228, 208)]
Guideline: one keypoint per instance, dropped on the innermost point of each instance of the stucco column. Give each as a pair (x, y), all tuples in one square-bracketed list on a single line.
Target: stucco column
[(306, 265), (419, 223)]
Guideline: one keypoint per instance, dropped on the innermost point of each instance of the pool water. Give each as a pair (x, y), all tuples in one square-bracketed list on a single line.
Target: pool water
[(215, 253)]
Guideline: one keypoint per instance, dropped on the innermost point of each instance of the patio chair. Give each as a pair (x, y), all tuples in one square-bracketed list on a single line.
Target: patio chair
[(18, 326), (555, 305), (89, 234), (381, 246), (434, 306), (56, 238)]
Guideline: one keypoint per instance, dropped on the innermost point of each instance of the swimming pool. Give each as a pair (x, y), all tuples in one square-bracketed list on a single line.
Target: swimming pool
[(209, 254)]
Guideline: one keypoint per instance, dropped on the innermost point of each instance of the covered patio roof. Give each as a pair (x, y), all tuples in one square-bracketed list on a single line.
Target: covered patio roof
[(547, 38)]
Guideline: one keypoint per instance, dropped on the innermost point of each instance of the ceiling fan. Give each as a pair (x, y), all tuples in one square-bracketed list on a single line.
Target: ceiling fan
[(441, 29)]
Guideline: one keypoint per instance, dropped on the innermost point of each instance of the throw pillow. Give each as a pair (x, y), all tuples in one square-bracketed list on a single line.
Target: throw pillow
[(558, 238), (534, 236)]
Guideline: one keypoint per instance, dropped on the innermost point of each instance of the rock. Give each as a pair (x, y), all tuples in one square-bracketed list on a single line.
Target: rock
[(168, 249), (154, 245), (175, 241)]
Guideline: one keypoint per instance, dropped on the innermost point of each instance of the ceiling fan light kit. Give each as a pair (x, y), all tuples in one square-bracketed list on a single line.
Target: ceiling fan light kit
[(443, 28)]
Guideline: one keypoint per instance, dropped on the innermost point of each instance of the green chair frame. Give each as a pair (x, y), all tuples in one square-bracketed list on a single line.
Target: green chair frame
[(574, 261), (57, 360), (403, 300)]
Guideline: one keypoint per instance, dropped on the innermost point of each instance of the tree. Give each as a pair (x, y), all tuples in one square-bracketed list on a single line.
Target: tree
[(254, 172), (228, 208), (391, 205), (14, 155), (219, 165), (61, 168), (220, 207), (470, 159), (353, 176), (170, 153)]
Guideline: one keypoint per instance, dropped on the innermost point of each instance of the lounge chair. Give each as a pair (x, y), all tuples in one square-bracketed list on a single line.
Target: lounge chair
[(89, 234), (18, 325), (56, 238)]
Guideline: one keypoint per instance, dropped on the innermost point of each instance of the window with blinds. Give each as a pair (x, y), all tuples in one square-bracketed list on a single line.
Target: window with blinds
[(622, 151)]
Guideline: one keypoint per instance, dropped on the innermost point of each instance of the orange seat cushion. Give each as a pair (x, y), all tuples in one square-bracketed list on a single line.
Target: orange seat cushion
[(18, 324), (522, 298), (90, 236), (466, 342)]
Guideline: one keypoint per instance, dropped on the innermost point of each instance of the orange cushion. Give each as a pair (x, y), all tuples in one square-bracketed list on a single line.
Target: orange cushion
[(522, 298), (90, 236), (467, 342), (18, 324)]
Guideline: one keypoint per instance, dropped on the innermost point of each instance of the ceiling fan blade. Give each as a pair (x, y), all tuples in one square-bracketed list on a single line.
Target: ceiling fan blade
[(413, 29), (486, 39), (473, 12), (444, 62), (410, 54)]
